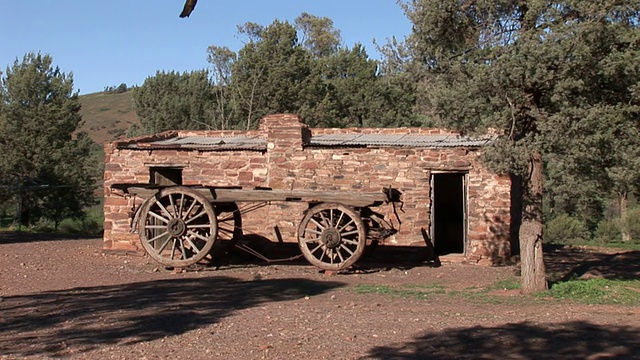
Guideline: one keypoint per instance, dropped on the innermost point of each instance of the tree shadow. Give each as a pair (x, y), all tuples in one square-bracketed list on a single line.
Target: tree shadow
[(55, 323), (569, 340), (567, 262), (376, 257), (10, 237)]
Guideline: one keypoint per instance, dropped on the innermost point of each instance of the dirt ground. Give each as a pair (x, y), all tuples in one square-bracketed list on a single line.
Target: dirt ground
[(65, 298)]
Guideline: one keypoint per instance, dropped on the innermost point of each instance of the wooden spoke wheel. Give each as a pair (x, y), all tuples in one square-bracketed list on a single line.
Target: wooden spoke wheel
[(178, 227), (229, 227), (332, 236)]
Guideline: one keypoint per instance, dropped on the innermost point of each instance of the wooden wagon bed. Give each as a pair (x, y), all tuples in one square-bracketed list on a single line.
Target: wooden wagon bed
[(178, 226)]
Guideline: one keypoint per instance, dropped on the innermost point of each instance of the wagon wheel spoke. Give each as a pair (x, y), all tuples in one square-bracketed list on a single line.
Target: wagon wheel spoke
[(347, 224), (174, 247), (345, 248), (199, 215), (185, 215), (225, 232), (158, 237), (173, 207), (310, 239), (322, 255), (179, 210), (317, 224), (157, 216), (193, 247), (164, 244), (199, 236), (339, 219), (198, 226), (316, 248), (164, 209), (349, 241), (183, 249), (315, 232), (349, 233)]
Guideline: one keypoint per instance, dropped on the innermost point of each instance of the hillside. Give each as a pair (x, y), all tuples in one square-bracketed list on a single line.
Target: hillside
[(107, 116)]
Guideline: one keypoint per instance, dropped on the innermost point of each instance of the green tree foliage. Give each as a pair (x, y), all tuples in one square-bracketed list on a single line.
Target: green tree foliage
[(39, 147), (271, 71), (533, 70), (282, 68), (171, 101)]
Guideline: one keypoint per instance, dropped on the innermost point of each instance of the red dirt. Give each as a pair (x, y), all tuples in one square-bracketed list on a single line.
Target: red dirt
[(66, 298)]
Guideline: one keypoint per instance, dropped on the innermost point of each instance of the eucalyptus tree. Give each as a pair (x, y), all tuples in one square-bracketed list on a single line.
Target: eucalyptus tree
[(525, 68), (40, 147), (319, 36), (224, 112)]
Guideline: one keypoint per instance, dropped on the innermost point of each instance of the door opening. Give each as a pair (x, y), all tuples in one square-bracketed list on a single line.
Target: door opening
[(448, 213)]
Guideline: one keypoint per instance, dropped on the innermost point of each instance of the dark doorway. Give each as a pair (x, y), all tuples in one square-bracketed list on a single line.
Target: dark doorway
[(448, 213)]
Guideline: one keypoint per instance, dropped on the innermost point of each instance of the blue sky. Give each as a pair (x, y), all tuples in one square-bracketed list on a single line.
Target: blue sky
[(105, 43)]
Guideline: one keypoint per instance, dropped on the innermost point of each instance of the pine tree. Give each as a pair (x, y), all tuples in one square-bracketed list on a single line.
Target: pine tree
[(39, 147)]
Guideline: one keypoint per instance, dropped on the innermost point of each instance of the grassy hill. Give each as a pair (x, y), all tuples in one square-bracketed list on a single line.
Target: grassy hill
[(107, 116)]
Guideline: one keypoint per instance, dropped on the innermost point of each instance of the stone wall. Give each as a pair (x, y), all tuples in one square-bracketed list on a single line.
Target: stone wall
[(288, 164)]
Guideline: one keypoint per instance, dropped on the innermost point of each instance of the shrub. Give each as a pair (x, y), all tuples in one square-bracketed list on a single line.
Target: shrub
[(633, 223), (566, 230), (608, 231)]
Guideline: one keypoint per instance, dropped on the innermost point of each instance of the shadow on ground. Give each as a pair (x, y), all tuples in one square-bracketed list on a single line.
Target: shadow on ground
[(570, 340), (375, 257), (10, 237), (572, 262), (57, 323)]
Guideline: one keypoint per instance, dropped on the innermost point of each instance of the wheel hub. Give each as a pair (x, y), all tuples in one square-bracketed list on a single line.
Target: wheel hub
[(176, 227), (331, 238)]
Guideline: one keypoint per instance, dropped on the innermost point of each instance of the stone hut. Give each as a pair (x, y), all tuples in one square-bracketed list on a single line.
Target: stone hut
[(449, 199)]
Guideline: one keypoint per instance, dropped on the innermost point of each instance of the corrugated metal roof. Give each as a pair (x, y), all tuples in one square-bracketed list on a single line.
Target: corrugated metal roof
[(212, 143), (399, 140)]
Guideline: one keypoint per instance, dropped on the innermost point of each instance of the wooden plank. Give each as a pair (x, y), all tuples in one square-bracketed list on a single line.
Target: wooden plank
[(343, 197), (215, 195)]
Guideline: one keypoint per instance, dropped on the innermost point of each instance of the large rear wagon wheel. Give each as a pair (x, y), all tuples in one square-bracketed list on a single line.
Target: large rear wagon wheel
[(332, 236), (178, 227)]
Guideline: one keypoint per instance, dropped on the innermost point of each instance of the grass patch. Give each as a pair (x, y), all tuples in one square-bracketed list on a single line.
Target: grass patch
[(597, 291), (421, 291), (506, 284)]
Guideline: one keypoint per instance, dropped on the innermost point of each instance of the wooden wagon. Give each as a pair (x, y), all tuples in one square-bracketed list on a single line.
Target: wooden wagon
[(179, 226)]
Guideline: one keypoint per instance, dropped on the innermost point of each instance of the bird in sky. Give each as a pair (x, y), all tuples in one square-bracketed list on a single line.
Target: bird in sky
[(189, 5)]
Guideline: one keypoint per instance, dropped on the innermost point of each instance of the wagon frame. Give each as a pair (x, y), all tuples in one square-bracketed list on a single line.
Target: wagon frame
[(179, 226)]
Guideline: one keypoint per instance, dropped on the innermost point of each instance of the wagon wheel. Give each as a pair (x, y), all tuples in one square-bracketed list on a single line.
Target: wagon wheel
[(178, 227), (229, 228), (331, 236)]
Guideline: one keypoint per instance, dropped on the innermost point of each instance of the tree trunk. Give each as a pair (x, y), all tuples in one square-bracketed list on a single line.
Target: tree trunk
[(624, 207), (532, 263)]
